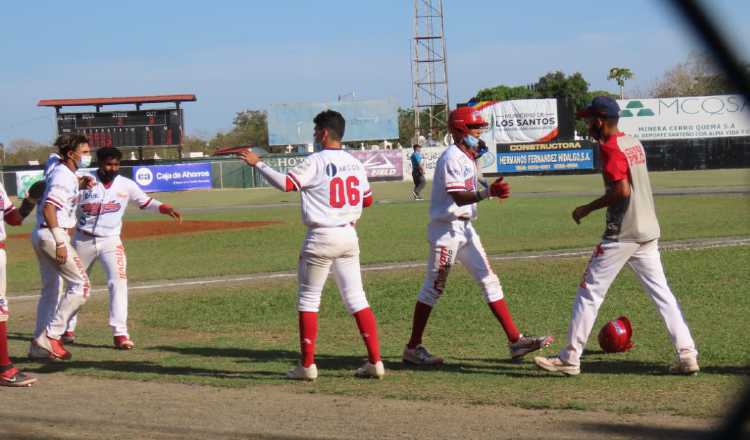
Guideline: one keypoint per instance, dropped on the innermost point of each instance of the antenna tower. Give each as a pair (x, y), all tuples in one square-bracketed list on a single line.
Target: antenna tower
[(429, 70)]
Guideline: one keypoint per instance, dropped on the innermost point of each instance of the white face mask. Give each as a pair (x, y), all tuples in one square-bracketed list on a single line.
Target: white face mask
[(471, 141), (84, 161)]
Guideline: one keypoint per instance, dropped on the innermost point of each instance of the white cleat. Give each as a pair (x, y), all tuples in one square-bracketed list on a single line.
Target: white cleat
[(371, 371), (301, 373), (557, 365), (526, 344), (687, 366), (420, 356)]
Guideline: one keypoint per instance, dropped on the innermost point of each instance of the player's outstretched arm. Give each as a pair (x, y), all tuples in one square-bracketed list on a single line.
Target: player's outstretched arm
[(275, 178)]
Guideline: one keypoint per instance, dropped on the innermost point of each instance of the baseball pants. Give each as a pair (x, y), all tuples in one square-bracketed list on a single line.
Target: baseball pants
[(111, 254), (54, 311), (3, 283), (457, 241), (608, 259), (323, 250)]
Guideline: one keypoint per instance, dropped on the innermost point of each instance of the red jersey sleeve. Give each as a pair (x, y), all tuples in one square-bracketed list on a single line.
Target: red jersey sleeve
[(614, 162)]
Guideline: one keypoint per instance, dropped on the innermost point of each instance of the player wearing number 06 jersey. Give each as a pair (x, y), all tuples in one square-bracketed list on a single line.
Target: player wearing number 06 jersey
[(97, 235), (453, 205), (334, 189)]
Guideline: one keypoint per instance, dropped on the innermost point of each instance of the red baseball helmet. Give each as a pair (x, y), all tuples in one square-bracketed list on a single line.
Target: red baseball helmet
[(463, 118), (615, 336)]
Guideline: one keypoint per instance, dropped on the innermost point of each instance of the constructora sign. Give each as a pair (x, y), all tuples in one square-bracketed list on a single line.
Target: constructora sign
[(691, 117)]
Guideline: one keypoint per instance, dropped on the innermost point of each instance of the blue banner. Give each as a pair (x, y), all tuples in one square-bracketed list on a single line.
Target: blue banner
[(545, 157), (177, 177)]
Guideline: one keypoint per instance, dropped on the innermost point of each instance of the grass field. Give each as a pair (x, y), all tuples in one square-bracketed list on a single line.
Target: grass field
[(246, 335)]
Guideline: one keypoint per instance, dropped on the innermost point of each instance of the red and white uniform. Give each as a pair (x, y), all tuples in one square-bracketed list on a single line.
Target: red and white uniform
[(450, 232), (6, 208), (334, 187), (61, 192), (100, 213), (630, 237)]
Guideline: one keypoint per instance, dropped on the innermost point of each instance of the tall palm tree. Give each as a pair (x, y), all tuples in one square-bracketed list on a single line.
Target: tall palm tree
[(620, 74)]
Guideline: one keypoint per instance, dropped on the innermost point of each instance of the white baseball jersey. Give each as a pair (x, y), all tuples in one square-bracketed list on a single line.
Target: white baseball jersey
[(455, 171), (101, 208), (61, 192), (52, 161), (6, 207), (333, 185)]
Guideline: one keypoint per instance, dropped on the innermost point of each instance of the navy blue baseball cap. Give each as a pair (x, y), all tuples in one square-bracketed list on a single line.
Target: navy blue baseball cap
[(601, 107)]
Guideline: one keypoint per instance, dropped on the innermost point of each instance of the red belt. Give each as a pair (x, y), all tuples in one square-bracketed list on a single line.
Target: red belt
[(2, 245)]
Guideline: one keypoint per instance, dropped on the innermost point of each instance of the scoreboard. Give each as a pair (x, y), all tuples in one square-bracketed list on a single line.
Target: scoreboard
[(138, 128)]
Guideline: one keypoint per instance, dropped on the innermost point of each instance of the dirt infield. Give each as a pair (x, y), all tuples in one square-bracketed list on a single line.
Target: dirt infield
[(144, 229), (75, 407)]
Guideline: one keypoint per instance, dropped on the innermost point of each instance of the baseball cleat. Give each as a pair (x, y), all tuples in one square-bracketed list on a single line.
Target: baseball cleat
[(123, 343), (555, 364), (13, 377), (687, 366), (526, 344), (420, 356), (303, 373), (371, 371), (68, 337), (53, 348)]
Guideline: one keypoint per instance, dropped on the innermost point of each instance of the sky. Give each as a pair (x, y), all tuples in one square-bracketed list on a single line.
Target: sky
[(237, 55)]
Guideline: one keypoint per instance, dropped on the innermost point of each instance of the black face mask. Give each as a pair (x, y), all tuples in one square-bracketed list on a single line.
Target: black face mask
[(107, 176)]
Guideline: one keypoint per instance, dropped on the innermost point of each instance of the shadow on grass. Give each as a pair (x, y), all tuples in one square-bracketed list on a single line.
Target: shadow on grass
[(145, 367), (27, 338), (646, 432), (329, 362)]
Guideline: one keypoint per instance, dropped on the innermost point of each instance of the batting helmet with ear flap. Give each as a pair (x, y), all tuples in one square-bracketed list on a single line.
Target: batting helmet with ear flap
[(615, 336), (462, 119)]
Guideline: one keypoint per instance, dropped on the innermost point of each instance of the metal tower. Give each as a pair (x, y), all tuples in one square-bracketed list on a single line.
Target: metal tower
[(429, 70)]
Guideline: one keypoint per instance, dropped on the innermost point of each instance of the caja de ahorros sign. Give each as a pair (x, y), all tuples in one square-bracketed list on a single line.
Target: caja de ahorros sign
[(692, 117)]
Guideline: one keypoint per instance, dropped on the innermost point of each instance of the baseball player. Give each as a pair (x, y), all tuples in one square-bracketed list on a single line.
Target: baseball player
[(453, 205), (334, 189), (631, 236), (100, 213), (10, 376), (57, 258)]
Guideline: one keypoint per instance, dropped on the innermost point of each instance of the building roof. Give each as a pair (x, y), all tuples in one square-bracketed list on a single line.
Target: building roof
[(115, 100)]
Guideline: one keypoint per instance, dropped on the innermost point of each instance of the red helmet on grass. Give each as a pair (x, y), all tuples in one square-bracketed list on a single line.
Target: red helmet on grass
[(615, 336)]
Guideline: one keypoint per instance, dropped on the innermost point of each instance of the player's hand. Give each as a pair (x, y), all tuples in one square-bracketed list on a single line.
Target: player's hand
[(500, 189), (249, 157), (580, 212), (86, 182), (175, 215), (61, 255)]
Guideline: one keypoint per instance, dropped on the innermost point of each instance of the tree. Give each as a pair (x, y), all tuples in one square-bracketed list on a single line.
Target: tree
[(697, 76), (22, 151), (250, 128), (505, 93), (620, 74)]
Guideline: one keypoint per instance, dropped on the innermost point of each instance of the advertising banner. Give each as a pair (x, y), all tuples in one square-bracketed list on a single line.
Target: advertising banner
[(177, 177), (545, 157), (381, 164), (692, 117), (24, 180), (430, 156), (524, 120)]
